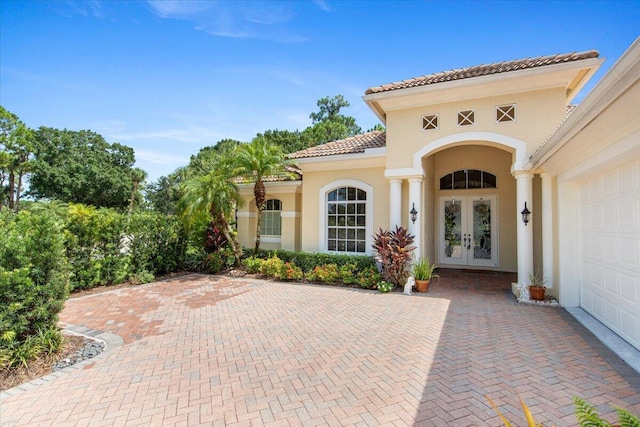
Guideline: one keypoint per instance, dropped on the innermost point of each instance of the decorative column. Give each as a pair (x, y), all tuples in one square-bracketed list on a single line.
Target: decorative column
[(395, 203), (524, 189), (547, 229), (415, 199)]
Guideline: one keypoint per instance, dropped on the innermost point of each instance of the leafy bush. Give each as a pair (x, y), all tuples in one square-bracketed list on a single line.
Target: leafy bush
[(33, 282), (393, 254), (272, 266), (307, 261), (289, 271), (328, 273), (348, 274), (107, 247), (385, 286), (252, 264), (368, 278), (141, 277)]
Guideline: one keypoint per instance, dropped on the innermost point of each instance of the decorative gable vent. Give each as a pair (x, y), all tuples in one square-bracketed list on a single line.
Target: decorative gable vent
[(506, 113), (429, 121), (466, 117)]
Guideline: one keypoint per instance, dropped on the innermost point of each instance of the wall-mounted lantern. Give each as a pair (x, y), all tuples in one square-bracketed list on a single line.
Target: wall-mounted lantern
[(414, 213), (525, 214)]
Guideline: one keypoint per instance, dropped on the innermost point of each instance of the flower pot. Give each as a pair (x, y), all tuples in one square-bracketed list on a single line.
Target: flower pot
[(536, 293), (422, 285)]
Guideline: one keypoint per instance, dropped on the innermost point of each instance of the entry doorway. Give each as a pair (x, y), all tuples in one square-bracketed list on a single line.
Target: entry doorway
[(468, 232)]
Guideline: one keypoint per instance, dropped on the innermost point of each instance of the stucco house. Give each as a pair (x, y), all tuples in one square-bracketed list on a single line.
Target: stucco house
[(468, 151)]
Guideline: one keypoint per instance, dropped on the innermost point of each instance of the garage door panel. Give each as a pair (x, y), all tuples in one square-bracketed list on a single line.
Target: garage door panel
[(629, 179), (629, 253), (629, 289), (631, 330), (612, 314), (609, 246)]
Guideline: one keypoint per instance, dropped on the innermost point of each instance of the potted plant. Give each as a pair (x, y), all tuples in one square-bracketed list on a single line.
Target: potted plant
[(423, 272), (537, 287)]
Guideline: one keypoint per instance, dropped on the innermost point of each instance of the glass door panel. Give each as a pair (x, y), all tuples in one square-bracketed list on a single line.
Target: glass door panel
[(468, 231), (452, 229)]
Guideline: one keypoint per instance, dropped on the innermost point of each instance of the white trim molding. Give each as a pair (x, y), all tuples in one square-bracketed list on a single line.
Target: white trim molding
[(245, 214), (322, 212), (290, 214), (516, 146)]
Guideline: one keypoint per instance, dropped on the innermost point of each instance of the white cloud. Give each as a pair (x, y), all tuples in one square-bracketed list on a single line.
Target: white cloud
[(177, 8), (237, 19)]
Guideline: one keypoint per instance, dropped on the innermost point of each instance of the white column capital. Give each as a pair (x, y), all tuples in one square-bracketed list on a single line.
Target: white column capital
[(522, 174)]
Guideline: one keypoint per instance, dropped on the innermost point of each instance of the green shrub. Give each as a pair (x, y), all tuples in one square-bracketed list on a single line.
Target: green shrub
[(307, 261), (272, 266), (107, 247), (252, 264), (33, 282), (385, 286), (141, 277), (328, 273), (289, 271), (368, 278), (348, 274)]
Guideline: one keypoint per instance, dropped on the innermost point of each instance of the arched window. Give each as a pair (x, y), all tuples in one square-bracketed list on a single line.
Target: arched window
[(271, 218), (347, 220), (467, 179)]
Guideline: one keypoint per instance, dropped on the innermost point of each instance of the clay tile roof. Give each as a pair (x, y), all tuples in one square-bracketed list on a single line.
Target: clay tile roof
[(351, 145), (291, 173), (484, 70)]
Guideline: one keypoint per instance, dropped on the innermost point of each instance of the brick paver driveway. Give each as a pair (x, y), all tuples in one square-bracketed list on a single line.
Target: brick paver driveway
[(212, 350)]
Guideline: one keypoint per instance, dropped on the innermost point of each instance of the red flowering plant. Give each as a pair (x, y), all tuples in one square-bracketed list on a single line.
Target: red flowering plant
[(393, 254)]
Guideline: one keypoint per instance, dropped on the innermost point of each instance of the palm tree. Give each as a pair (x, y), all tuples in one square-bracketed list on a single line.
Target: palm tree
[(137, 176), (56, 207), (212, 196), (256, 161)]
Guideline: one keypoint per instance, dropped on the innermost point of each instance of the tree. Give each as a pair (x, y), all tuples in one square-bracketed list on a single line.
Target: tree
[(137, 176), (16, 144), (329, 124), (255, 161), (163, 194), (290, 142), (81, 167), (213, 197)]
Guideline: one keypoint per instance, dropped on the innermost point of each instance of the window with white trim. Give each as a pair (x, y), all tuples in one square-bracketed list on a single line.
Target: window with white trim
[(506, 113), (346, 220), (271, 218), (465, 179), (466, 117), (429, 121)]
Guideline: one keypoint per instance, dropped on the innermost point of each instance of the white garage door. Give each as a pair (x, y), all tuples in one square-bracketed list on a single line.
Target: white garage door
[(609, 242)]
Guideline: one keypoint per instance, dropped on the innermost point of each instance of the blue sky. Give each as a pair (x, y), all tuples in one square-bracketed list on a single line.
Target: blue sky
[(170, 77)]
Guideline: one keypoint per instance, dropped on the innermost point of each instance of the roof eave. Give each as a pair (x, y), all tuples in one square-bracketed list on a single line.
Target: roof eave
[(618, 78), (591, 65)]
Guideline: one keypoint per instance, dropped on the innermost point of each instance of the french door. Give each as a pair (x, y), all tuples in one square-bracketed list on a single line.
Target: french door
[(468, 230)]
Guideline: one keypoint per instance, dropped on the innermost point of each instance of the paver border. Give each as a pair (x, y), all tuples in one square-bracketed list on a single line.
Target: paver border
[(112, 341)]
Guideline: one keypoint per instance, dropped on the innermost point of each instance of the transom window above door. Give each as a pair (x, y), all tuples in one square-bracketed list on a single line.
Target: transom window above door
[(465, 179)]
